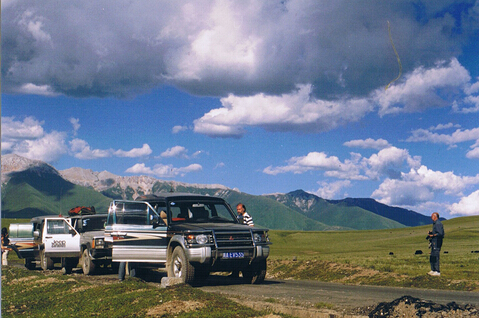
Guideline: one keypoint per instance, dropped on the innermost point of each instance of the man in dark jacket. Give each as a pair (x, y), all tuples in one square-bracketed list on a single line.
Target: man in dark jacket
[(435, 237)]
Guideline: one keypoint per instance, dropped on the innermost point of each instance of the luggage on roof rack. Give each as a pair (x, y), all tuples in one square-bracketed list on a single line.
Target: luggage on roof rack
[(82, 210)]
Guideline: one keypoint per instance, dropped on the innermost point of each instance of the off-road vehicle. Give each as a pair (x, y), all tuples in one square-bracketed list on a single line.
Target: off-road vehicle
[(191, 235)]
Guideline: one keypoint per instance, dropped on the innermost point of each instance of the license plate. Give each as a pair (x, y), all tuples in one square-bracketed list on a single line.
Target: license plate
[(233, 255)]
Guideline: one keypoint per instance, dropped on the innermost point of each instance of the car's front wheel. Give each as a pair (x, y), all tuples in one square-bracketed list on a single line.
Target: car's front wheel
[(255, 273), (180, 267), (45, 262), (87, 263)]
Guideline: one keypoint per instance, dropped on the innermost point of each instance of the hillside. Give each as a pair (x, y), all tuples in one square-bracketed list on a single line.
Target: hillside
[(31, 188), (316, 208)]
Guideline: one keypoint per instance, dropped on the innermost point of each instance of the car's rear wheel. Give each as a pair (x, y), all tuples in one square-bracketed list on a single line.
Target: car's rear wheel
[(87, 263), (30, 263), (180, 267)]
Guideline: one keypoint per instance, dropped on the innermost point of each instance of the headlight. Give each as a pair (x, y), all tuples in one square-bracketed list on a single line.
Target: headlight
[(260, 237), (99, 243), (200, 239)]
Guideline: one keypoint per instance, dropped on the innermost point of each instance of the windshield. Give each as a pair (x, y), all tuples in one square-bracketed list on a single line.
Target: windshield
[(200, 212)]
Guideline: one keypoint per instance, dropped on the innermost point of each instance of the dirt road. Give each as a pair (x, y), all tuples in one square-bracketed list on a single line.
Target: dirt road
[(344, 298)]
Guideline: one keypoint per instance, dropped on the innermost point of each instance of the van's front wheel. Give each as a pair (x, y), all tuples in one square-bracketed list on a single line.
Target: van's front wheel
[(180, 267)]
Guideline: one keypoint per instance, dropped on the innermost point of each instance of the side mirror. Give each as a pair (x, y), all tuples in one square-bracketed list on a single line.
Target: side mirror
[(72, 232), (36, 234), (156, 224)]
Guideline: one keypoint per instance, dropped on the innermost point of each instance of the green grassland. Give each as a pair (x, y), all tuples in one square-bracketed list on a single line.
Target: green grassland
[(374, 257), (381, 257)]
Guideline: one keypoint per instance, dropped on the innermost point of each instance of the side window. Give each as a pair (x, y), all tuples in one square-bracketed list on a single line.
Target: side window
[(56, 227), (160, 208), (132, 214)]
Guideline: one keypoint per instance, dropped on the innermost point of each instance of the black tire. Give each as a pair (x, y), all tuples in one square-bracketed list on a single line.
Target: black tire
[(201, 274), (87, 264), (68, 264), (180, 267), (45, 262), (255, 273), (30, 263)]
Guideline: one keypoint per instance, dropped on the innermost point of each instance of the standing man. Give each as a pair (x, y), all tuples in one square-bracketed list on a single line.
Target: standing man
[(243, 215), (246, 219), (435, 237)]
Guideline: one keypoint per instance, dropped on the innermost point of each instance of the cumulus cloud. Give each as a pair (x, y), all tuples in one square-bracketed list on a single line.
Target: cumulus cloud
[(178, 128), (458, 136), (296, 111), (27, 138), (420, 185), (145, 150), (82, 150), (164, 171), (467, 205), (368, 143), (388, 162), (331, 190), (332, 166), (76, 125), (423, 88), (176, 151)]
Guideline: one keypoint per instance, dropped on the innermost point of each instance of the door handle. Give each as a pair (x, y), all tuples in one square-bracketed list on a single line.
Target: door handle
[(48, 237)]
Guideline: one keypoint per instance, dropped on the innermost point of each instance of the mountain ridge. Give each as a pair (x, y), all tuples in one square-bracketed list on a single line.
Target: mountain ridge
[(297, 210)]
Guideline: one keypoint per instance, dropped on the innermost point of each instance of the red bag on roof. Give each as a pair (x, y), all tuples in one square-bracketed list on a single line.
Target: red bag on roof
[(82, 210)]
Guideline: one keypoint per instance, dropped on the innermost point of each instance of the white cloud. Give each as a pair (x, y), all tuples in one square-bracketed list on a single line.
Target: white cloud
[(420, 185), (322, 162), (164, 171), (176, 151), (29, 128), (76, 125), (389, 162), (467, 205), (178, 128), (145, 150), (27, 138), (331, 190), (368, 143), (296, 111), (474, 153), (82, 150), (459, 136)]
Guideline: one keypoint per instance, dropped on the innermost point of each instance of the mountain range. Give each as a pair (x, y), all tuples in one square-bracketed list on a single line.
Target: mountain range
[(31, 188)]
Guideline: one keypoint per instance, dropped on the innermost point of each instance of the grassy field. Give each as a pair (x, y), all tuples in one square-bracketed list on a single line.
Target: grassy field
[(379, 257)]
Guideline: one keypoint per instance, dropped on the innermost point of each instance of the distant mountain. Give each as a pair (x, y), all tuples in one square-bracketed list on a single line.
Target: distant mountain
[(316, 207), (31, 188), (403, 216), (332, 214)]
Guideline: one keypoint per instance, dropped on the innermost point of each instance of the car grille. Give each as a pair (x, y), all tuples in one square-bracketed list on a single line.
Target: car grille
[(233, 239)]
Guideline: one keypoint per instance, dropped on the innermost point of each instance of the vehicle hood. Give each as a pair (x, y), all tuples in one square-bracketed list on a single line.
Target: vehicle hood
[(211, 226)]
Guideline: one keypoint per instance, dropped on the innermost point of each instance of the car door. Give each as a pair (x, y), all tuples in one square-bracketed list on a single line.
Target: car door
[(137, 231), (60, 238)]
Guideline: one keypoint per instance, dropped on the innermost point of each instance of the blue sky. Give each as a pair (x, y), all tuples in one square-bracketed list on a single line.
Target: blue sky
[(262, 96)]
